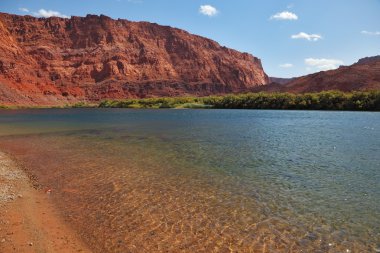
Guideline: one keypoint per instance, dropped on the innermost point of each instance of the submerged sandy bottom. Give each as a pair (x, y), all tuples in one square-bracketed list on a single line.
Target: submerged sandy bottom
[(132, 205)]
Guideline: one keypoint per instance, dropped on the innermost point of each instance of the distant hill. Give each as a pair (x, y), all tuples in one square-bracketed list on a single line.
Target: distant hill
[(279, 80), (363, 75), (369, 60)]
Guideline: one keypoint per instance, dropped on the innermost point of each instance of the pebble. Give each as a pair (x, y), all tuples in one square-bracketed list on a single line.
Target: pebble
[(30, 244), (3, 240), (19, 196)]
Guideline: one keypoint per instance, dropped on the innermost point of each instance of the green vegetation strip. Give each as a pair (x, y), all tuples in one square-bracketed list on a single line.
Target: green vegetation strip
[(328, 100)]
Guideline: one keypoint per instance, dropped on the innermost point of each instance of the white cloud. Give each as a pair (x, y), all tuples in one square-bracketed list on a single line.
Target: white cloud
[(309, 37), (286, 65), (208, 10), (371, 33), (49, 13), (23, 9), (323, 64), (285, 15)]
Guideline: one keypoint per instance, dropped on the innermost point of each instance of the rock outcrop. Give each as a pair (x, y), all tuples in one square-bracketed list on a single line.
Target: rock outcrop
[(47, 61)]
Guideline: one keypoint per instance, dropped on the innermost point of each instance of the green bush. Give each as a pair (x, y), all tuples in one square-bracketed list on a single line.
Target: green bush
[(327, 100)]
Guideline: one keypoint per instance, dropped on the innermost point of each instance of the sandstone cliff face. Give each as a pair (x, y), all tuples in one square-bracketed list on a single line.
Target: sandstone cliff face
[(57, 60)]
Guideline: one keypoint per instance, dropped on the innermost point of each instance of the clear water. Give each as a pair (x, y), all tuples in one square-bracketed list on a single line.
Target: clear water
[(207, 180)]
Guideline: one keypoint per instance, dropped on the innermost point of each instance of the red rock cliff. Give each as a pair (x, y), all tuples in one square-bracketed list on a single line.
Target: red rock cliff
[(56, 60)]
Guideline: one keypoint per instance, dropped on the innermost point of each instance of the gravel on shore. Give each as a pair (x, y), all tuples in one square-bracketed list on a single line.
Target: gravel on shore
[(10, 174)]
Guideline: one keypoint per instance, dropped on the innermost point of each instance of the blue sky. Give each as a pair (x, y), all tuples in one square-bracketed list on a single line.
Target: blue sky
[(291, 37)]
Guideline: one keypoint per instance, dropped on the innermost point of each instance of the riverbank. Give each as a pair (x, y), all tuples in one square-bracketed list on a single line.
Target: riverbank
[(29, 221), (326, 100)]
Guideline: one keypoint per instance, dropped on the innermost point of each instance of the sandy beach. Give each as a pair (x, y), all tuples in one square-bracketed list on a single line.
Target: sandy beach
[(29, 221)]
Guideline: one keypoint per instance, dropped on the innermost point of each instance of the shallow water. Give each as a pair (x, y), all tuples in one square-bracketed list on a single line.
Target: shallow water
[(207, 180)]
